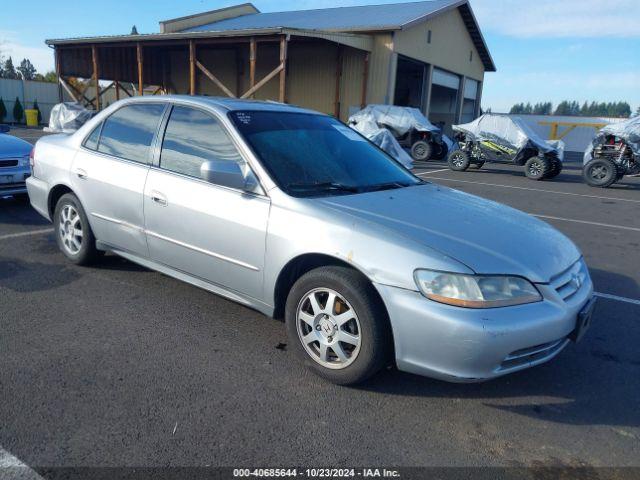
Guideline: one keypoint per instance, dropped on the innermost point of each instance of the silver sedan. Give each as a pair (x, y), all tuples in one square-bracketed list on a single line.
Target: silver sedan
[(294, 214)]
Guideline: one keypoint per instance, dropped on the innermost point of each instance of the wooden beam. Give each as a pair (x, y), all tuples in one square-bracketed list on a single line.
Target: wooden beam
[(117, 89), (283, 68), (215, 80), (96, 74), (80, 93), (365, 81), (339, 59), (68, 89), (262, 82), (140, 59), (192, 67), (59, 73), (253, 55)]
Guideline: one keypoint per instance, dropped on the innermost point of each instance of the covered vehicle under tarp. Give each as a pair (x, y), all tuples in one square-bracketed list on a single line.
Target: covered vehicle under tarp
[(491, 127), (385, 140), (408, 125), (68, 117), (627, 130)]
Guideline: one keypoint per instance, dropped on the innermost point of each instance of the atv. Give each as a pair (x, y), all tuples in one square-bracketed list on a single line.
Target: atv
[(613, 153), (409, 126), (504, 139)]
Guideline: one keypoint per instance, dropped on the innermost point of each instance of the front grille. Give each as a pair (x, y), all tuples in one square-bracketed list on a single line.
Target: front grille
[(8, 163), (529, 355), (571, 280)]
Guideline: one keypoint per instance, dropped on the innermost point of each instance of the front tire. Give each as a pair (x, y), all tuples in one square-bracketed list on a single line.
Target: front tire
[(601, 172), (537, 168), (458, 160), (421, 151), (338, 325), (73, 233)]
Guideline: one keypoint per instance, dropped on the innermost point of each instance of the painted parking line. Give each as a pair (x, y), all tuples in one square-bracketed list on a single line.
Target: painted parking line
[(586, 222), (617, 298), (531, 189), (26, 234), (11, 467), (431, 172)]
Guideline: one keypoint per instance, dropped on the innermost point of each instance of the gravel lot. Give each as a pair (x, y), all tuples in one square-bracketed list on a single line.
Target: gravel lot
[(117, 365)]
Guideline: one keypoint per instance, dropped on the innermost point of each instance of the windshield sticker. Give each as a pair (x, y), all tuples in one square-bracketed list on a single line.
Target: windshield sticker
[(244, 117), (347, 132)]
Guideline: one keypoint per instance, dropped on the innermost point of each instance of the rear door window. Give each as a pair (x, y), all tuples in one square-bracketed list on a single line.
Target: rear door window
[(91, 141), (129, 132)]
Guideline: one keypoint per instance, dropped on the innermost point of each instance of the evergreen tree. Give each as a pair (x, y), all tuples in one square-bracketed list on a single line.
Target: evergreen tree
[(134, 31), (27, 70), (9, 70), (18, 111), (37, 107), (3, 110)]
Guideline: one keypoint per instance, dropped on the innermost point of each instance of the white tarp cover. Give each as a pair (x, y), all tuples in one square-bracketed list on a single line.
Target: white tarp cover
[(385, 140), (399, 119), (629, 131), (513, 130), (68, 117)]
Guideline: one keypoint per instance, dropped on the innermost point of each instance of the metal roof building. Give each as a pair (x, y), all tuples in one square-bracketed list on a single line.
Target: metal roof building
[(428, 54)]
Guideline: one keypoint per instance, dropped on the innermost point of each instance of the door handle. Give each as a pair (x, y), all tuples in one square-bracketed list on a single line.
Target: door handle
[(81, 173), (159, 198)]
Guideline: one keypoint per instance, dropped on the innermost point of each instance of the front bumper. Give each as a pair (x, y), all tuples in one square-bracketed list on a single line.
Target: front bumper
[(472, 345), (12, 180)]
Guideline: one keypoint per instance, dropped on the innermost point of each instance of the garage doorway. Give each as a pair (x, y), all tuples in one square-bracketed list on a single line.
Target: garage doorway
[(444, 99), (410, 83)]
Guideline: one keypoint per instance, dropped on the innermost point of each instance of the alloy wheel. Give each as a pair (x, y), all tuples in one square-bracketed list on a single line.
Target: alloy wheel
[(328, 328), (70, 229)]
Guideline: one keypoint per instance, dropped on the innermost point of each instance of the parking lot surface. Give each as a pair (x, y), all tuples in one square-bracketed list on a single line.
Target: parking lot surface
[(116, 365)]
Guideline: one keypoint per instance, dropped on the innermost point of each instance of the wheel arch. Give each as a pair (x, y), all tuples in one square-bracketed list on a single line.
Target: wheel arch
[(54, 195)]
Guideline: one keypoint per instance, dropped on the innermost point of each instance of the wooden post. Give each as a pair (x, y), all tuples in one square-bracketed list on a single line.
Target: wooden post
[(140, 69), (59, 74), (192, 67), (215, 80), (336, 108), (253, 53), (365, 80), (283, 70), (96, 74)]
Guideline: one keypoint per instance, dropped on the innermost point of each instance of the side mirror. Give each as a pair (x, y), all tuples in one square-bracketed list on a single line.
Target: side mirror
[(4, 128), (228, 174)]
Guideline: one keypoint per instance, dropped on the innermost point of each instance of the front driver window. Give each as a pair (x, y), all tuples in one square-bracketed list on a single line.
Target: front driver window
[(193, 137)]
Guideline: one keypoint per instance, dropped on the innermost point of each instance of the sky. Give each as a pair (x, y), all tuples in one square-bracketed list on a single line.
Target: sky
[(544, 50)]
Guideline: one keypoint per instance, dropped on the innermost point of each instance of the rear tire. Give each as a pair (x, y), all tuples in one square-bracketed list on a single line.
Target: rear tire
[(556, 168), (421, 151), (458, 160), (440, 151), (537, 168), (73, 233), (347, 341), (600, 173)]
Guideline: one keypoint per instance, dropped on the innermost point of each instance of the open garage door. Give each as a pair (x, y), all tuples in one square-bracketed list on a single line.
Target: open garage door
[(469, 100), (444, 99), (410, 83)]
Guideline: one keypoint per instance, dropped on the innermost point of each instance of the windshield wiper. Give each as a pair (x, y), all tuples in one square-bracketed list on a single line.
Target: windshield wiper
[(323, 186), (385, 186)]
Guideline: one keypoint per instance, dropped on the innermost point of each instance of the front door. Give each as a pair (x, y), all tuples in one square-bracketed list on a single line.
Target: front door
[(109, 173), (208, 231)]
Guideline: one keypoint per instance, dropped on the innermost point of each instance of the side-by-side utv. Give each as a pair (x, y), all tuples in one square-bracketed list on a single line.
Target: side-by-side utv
[(613, 153), (505, 139), (410, 128)]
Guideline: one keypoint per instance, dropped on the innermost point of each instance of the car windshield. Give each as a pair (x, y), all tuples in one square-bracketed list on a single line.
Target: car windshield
[(311, 155)]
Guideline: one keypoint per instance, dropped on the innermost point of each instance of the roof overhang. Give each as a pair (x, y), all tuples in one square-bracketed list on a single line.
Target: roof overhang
[(359, 41)]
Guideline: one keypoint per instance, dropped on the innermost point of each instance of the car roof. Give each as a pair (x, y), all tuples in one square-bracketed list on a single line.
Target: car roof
[(225, 103)]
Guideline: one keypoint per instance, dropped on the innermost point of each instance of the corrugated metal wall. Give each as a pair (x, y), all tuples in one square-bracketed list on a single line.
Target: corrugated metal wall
[(379, 63), (28, 92)]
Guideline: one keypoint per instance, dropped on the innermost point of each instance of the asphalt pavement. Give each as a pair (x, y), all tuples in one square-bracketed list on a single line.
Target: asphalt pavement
[(116, 365)]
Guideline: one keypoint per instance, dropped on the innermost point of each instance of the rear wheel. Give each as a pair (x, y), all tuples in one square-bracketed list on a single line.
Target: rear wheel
[(440, 151), (421, 151), (601, 172), (338, 325), (458, 160), (73, 233), (556, 168), (537, 168)]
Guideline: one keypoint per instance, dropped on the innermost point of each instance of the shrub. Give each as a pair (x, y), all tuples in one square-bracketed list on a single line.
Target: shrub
[(3, 110), (18, 111)]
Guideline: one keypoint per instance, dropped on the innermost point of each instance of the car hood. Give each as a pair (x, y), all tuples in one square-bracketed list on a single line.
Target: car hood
[(486, 236), (11, 146)]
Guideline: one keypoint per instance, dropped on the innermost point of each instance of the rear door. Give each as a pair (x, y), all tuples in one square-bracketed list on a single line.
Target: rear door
[(209, 231), (109, 173)]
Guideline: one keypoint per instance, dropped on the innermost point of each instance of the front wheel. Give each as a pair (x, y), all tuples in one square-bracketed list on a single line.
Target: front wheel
[(537, 168), (73, 233), (458, 160), (338, 325), (421, 151), (601, 172)]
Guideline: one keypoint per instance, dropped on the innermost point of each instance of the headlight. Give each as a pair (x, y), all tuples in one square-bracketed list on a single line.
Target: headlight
[(475, 291), (24, 161)]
